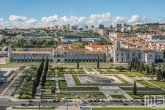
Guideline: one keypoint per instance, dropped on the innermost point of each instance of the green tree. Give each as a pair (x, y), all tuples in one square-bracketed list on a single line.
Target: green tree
[(153, 68), (140, 68), (134, 90), (33, 89), (159, 75), (77, 63), (147, 70), (98, 62)]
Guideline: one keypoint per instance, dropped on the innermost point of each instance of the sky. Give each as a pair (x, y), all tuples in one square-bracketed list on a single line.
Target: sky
[(44, 13)]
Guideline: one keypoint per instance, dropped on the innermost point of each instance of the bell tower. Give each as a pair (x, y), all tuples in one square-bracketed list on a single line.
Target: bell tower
[(117, 45)]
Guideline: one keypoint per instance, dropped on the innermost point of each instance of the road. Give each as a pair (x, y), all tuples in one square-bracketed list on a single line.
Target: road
[(35, 103)]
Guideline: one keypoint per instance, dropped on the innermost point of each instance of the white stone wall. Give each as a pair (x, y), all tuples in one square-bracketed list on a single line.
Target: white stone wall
[(149, 58)]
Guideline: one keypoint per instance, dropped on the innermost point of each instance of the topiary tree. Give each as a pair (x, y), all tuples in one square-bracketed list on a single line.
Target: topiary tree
[(98, 62), (134, 90)]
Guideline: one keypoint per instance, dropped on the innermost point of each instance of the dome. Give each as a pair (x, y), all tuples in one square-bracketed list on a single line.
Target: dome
[(5, 48)]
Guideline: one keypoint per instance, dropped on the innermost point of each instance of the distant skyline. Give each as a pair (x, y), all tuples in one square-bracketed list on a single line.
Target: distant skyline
[(43, 13)]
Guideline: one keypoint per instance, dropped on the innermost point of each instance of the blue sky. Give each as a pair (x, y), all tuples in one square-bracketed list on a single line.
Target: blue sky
[(116, 11)]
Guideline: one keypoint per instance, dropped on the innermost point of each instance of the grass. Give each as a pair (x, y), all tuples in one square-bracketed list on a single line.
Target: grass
[(118, 96), (51, 74), (158, 83), (128, 74), (89, 69), (137, 96), (59, 96), (124, 81), (137, 73), (101, 71), (25, 96), (73, 96), (68, 65), (146, 84), (103, 84), (70, 71), (80, 71), (93, 96), (62, 86), (76, 80), (49, 84), (127, 108)]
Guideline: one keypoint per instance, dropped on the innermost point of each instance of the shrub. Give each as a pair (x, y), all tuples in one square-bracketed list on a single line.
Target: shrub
[(21, 68)]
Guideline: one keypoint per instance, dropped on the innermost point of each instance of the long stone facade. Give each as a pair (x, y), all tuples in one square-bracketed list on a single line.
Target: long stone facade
[(91, 53)]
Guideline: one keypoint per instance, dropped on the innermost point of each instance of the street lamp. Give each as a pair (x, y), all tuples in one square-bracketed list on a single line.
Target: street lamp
[(66, 96)]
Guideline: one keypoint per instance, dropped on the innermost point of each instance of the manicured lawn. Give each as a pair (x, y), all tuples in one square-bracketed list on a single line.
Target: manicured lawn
[(101, 71), (129, 74), (118, 96), (93, 96), (61, 95), (89, 69), (70, 71), (137, 73), (98, 96), (146, 84), (68, 65), (126, 108), (49, 84), (137, 96), (158, 83), (76, 79), (51, 74), (121, 79), (80, 71), (25, 96), (62, 86)]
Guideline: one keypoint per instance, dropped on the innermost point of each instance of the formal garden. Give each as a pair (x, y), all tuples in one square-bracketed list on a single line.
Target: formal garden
[(43, 72)]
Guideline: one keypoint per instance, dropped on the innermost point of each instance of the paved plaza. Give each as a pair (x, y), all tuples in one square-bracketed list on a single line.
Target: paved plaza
[(98, 79)]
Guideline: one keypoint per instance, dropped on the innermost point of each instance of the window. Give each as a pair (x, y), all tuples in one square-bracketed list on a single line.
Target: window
[(139, 55), (150, 55), (159, 55), (117, 59), (122, 59), (117, 55), (128, 56), (156, 55), (122, 54), (133, 54)]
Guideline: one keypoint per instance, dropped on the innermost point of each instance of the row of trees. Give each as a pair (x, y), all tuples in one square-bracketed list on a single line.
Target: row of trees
[(98, 63), (147, 70), (37, 79), (45, 73)]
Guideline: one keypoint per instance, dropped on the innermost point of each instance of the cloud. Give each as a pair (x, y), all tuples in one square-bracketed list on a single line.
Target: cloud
[(1, 19), (93, 19), (99, 19), (50, 19), (17, 18), (136, 19), (119, 19)]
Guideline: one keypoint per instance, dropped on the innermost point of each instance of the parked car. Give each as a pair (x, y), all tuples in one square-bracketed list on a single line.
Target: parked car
[(23, 104), (30, 101), (29, 104)]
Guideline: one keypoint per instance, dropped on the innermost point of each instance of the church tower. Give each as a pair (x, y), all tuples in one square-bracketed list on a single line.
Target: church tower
[(117, 45), (117, 52)]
